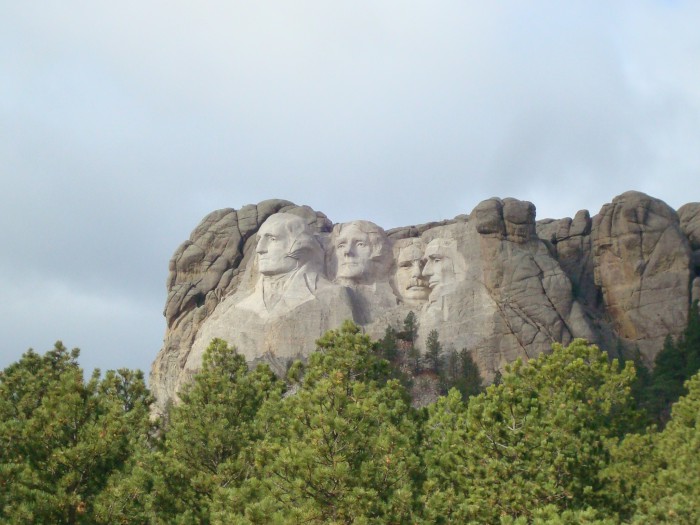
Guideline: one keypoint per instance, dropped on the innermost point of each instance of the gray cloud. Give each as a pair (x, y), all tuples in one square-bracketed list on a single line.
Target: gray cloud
[(123, 124)]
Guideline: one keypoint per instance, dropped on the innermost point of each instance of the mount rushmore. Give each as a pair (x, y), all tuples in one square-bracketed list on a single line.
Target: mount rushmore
[(271, 278)]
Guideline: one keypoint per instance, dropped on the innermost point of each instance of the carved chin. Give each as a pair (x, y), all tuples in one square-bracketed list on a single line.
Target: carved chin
[(273, 268), (351, 270)]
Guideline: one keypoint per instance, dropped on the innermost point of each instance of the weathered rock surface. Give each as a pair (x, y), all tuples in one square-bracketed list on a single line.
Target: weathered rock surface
[(569, 241), (642, 266), (271, 278), (203, 270), (291, 304), (689, 215)]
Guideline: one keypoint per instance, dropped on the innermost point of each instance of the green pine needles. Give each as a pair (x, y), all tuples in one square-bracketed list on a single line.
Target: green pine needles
[(557, 440)]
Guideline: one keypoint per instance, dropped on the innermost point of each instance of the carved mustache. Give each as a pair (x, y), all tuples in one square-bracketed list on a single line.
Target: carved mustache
[(420, 283)]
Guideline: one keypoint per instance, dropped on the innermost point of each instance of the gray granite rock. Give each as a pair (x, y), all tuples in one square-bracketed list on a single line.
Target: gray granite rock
[(271, 278), (642, 267)]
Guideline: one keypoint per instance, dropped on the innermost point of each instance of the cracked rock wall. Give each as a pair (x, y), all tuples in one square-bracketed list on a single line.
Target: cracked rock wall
[(271, 277)]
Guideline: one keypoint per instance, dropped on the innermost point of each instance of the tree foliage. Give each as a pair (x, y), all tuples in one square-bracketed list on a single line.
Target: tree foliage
[(410, 328), (62, 438), (677, 362), (538, 439), (341, 450), (433, 351), (461, 372), (669, 491), (556, 440), (205, 447)]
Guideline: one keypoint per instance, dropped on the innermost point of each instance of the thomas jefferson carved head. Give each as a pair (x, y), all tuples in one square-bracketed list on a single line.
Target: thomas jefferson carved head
[(362, 251), (410, 283), (286, 243)]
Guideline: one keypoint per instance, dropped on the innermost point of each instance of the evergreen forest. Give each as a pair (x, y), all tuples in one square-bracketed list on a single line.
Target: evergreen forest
[(572, 437)]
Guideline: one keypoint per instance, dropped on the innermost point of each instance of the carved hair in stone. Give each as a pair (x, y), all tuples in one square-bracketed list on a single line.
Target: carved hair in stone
[(290, 262), (286, 243), (291, 305), (411, 285), (362, 253), (444, 267)]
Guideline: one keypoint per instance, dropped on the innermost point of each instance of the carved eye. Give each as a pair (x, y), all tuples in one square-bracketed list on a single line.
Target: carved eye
[(405, 264), (341, 245), (361, 244)]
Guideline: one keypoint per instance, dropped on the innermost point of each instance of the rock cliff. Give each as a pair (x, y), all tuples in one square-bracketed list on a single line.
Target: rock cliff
[(271, 278)]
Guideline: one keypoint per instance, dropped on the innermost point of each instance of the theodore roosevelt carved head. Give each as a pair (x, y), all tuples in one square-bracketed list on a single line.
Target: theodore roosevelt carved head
[(410, 283)]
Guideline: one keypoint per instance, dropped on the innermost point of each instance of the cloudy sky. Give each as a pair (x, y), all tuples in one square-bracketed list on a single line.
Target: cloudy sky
[(123, 123)]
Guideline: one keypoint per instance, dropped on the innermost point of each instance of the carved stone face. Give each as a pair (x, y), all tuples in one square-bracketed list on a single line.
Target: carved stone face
[(443, 264), (409, 278), (273, 248), (354, 250)]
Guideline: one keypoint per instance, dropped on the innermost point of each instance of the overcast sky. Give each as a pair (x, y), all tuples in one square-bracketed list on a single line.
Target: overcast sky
[(123, 123)]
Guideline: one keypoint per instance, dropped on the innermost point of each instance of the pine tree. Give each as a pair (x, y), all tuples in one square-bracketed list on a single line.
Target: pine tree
[(535, 443), (409, 334), (206, 446), (410, 328), (674, 365), (691, 341), (433, 352), (497, 378), (469, 382), (388, 346), (462, 373), (641, 391), (669, 487), (62, 438), (341, 450), (414, 359)]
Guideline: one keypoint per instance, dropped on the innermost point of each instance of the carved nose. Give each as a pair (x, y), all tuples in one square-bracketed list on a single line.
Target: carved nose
[(415, 270)]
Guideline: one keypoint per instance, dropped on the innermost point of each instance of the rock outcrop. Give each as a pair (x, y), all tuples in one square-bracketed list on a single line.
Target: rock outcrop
[(202, 272), (642, 266), (272, 278), (689, 215)]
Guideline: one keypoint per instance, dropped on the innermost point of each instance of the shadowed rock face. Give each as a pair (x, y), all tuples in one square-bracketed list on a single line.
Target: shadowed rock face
[(271, 278), (689, 215)]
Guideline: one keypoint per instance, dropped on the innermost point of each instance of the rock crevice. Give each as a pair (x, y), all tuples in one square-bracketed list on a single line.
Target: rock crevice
[(271, 277)]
